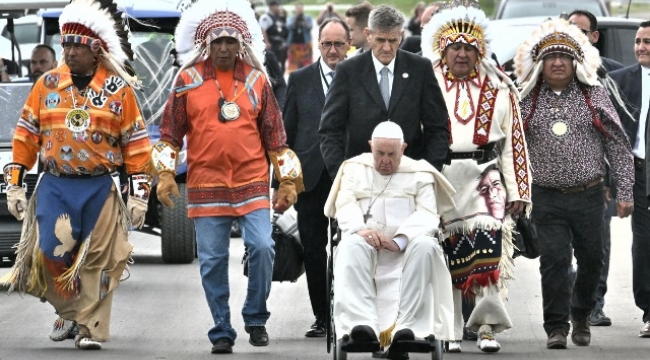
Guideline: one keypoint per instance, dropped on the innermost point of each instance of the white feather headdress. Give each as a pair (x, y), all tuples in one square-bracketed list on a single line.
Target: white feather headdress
[(462, 21), (206, 20), (452, 24), (97, 23), (553, 36)]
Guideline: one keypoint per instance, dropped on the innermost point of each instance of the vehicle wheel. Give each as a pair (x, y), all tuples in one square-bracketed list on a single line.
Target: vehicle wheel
[(177, 237)]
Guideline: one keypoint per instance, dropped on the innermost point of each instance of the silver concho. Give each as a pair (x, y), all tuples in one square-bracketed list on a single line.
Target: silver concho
[(77, 120), (230, 111)]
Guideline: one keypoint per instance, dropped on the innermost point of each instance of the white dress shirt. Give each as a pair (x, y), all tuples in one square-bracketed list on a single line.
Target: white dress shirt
[(328, 75), (639, 144)]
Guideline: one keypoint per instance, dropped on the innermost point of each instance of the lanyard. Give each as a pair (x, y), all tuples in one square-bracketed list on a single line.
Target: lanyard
[(327, 84)]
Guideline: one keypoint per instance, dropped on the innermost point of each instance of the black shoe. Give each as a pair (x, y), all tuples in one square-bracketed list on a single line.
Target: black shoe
[(259, 336), (469, 334), (363, 333), (395, 351), (222, 346), (580, 334), (598, 318), (556, 339), (317, 330)]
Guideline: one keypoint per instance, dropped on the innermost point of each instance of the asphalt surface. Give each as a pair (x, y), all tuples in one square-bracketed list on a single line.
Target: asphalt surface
[(160, 313)]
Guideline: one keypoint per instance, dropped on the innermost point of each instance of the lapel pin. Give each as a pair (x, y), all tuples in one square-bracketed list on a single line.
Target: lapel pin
[(405, 75)]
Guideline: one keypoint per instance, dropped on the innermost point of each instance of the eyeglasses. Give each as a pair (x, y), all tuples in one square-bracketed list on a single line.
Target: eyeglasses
[(586, 32), (328, 44)]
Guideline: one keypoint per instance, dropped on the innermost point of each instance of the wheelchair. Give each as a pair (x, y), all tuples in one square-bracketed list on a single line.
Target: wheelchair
[(340, 347)]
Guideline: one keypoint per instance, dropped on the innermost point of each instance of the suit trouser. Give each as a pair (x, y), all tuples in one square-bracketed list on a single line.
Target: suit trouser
[(607, 249), (569, 223), (641, 246), (312, 225)]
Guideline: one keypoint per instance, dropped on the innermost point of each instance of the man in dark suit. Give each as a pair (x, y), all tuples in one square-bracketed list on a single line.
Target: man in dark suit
[(588, 24), (634, 81), (301, 115), (384, 84), (412, 43)]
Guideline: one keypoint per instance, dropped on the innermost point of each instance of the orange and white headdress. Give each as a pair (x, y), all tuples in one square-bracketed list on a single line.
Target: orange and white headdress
[(459, 21), (462, 21), (207, 20), (98, 24), (556, 36)]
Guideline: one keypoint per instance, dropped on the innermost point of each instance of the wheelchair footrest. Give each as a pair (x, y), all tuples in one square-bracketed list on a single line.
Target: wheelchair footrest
[(417, 346), (348, 345)]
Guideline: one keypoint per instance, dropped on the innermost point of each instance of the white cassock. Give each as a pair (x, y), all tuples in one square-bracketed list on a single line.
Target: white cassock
[(384, 290)]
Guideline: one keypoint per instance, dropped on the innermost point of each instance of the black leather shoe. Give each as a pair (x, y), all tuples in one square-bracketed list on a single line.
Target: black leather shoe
[(258, 335), (395, 351), (363, 333), (222, 346), (580, 334), (317, 330), (556, 339)]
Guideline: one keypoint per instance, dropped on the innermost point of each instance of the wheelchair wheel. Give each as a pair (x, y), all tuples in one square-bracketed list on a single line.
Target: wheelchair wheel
[(437, 353), (330, 334), (339, 353)]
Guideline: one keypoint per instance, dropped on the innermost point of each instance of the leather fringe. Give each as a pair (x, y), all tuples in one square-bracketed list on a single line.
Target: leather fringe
[(26, 248), (68, 281), (385, 338)]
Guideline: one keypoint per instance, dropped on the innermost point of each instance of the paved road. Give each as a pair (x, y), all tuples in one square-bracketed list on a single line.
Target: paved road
[(160, 313)]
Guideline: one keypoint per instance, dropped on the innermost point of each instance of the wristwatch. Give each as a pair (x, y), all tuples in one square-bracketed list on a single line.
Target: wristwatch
[(3, 69)]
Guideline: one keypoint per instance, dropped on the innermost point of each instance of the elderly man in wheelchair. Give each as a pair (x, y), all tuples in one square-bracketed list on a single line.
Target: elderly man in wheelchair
[(391, 284)]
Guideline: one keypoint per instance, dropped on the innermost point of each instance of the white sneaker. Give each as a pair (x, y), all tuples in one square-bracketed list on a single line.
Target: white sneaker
[(87, 344), (62, 329), (486, 341), (454, 346)]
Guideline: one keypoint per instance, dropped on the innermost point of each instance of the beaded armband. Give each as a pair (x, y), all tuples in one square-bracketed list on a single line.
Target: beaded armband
[(287, 167), (13, 174), (164, 157)]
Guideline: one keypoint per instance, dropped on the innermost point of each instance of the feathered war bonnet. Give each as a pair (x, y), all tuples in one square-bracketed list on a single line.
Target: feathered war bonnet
[(207, 20), (98, 24), (462, 21), (556, 36), (459, 21)]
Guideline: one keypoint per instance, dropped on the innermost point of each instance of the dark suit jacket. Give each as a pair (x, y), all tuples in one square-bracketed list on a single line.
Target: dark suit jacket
[(611, 64), (628, 80), (277, 77), (301, 116), (412, 44), (354, 106)]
